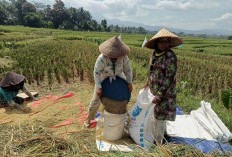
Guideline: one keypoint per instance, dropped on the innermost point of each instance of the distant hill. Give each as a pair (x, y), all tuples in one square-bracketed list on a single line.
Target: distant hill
[(156, 28)]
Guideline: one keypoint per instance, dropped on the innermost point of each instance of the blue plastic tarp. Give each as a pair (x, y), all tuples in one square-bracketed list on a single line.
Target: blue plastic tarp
[(205, 146)]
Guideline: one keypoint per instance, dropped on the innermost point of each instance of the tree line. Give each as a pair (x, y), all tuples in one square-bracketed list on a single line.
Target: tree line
[(21, 12)]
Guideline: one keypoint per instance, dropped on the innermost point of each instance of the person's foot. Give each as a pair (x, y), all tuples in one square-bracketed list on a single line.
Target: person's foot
[(14, 105)]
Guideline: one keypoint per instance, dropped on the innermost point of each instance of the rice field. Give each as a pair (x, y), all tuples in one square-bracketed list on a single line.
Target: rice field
[(48, 56)]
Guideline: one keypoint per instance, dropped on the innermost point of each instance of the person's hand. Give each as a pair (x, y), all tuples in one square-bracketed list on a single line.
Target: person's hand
[(13, 104), (99, 92), (155, 100), (34, 99), (130, 87), (146, 85)]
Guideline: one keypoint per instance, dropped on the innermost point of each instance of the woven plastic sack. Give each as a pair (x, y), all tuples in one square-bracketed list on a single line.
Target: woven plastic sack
[(142, 119)]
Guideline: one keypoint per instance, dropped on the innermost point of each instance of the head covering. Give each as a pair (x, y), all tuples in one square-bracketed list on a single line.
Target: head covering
[(163, 33), (114, 48), (12, 81)]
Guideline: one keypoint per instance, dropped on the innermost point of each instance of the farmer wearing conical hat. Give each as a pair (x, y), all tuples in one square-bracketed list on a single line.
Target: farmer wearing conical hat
[(112, 63), (9, 88), (162, 79)]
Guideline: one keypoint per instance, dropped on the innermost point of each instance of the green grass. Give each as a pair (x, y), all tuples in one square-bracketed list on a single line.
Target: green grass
[(5, 63), (208, 46)]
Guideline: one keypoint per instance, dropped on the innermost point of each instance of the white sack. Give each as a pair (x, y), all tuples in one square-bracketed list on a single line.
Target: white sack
[(142, 119)]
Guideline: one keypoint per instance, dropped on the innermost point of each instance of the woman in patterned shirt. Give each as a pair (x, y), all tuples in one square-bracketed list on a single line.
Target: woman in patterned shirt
[(162, 79), (113, 61)]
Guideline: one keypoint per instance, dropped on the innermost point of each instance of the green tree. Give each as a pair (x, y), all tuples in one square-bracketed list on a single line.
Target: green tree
[(46, 13), (94, 25), (74, 17), (39, 6), (59, 14), (104, 24), (28, 8), (32, 20), (59, 5), (3, 15), (30, 17), (141, 30), (19, 13), (50, 24), (7, 13), (66, 25), (117, 29), (84, 19)]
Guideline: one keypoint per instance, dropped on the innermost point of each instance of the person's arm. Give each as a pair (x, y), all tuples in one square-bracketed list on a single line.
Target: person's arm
[(149, 66), (127, 69), (128, 72), (32, 98), (98, 69)]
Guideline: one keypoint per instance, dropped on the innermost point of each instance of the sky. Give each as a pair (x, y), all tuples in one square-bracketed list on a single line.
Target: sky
[(179, 14)]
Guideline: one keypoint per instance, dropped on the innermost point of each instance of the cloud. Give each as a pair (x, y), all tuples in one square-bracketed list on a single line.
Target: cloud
[(173, 5), (117, 9), (186, 14), (191, 25), (183, 4), (226, 17)]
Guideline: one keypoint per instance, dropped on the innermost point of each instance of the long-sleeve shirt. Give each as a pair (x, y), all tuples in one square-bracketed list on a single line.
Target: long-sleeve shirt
[(105, 68), (162, 82), (6, 95)]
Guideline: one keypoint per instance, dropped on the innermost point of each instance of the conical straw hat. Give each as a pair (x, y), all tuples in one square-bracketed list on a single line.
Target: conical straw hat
[(11, 79), (175, 40), (114, 48)]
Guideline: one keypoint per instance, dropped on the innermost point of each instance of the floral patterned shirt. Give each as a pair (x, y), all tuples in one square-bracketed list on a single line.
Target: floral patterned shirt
[(162, 82), (105, 68)]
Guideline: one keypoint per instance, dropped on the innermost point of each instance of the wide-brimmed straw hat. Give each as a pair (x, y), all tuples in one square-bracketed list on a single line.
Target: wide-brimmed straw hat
[(164, 33), (114, 48)]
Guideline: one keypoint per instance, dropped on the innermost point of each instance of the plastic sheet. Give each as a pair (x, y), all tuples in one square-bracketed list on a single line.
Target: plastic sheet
[(205, 146)]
